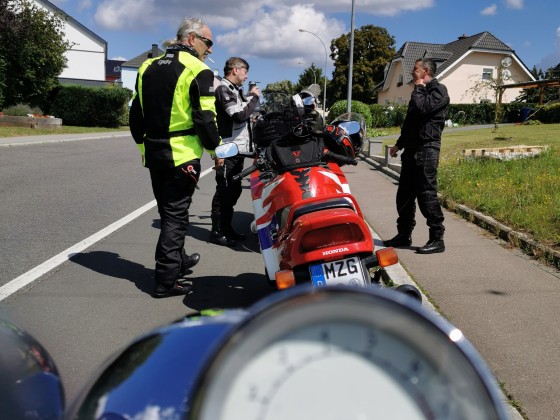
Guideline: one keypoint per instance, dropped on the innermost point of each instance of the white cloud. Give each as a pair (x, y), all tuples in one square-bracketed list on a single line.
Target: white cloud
[(276, 35), (552, 59), (125, 14), (514, 4), (489, 11), (146, 14)]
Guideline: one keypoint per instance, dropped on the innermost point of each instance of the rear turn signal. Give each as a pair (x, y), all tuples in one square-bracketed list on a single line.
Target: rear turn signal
[(387, 257), (285, 279), (331, 236)]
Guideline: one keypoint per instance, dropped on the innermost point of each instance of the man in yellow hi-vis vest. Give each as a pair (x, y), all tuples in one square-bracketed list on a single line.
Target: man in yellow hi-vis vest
[(173, 120)]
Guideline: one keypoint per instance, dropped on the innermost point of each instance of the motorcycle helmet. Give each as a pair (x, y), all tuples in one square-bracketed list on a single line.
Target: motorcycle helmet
[(339, 142), (347, 131)]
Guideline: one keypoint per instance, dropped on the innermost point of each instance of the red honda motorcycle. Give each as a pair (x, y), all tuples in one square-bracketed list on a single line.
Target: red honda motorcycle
[(310, 227)]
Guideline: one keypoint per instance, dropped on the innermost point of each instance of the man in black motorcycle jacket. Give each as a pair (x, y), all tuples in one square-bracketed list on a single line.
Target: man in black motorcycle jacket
[(421, 140), (233, 113), (173, 120)]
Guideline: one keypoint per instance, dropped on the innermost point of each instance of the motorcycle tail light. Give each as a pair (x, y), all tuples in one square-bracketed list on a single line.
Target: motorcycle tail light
[(387, 257), (285, 279), (331, 236)]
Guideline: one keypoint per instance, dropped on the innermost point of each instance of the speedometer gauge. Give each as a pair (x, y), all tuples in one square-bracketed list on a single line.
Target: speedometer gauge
[(345, 353)]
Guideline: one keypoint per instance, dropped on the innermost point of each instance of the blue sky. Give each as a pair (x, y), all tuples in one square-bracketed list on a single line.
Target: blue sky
[(265, 32)]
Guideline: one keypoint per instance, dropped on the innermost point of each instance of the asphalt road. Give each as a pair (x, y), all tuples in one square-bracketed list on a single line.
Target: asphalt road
[(55, 195)]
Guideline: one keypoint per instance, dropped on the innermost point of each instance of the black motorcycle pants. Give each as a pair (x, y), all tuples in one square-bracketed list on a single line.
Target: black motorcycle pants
[(418, 182), (173, 189), (227, 193)]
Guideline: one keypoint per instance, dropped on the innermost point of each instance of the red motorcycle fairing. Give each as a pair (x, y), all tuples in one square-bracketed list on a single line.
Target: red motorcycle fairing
[(296, 185)]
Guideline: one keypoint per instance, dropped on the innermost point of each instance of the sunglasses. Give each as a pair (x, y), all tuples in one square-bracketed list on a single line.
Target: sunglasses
[(207, 42)]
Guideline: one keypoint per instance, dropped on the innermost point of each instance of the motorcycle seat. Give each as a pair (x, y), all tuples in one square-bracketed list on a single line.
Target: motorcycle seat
[(322, 205)]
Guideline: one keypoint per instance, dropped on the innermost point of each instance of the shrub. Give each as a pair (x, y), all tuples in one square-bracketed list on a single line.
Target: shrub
[(549, 113), (339, 108), (91, 106), (387, 116), (21, 110)]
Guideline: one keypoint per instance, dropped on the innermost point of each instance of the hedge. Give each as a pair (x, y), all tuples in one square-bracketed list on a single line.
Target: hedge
[(91, 106)]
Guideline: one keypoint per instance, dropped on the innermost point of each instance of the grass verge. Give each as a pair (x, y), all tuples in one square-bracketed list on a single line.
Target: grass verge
[(21, 131), (522, 193)]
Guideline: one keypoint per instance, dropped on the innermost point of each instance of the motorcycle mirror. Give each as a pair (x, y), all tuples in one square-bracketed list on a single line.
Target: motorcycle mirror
[(226, 150)]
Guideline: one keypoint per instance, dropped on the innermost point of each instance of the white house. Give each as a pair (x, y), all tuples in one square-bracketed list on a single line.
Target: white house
[(129, 69), (87, 55), (461, 66)]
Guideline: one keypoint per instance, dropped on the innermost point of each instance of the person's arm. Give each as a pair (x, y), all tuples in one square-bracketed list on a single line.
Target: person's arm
[(203, 104), (238, 112), (136, 122), (136, 117), (428, 101)]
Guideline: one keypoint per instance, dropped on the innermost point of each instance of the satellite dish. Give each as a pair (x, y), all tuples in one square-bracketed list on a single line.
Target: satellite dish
[(506, 74), (506, 62)]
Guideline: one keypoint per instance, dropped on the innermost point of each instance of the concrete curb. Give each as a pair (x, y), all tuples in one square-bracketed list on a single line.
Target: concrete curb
[(59, 138)]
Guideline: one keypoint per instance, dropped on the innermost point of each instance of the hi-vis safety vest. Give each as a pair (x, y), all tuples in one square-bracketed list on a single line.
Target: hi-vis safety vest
[(175, 94)]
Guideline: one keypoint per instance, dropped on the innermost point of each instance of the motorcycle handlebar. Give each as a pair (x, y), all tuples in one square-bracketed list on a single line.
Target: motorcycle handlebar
[(244, 173), (341, 159)]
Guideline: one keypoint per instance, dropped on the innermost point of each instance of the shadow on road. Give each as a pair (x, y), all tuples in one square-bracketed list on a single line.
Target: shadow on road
[(112, 265), (227, 292), (208, 292)]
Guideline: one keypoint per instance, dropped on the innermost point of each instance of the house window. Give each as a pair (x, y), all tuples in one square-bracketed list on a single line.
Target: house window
[(487, 73), (400, 82)]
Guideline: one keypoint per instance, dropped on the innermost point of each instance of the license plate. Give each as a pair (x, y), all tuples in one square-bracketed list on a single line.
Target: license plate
[(346, 272)]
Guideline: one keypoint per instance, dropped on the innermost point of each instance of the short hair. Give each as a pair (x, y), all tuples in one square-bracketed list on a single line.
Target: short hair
[(187, 26), (428, 64), (234, 62)]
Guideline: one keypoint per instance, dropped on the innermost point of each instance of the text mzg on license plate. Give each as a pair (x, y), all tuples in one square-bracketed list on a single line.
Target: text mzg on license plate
[(346, 272)]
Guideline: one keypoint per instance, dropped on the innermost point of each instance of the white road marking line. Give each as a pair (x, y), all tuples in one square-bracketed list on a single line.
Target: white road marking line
[(27, 278)]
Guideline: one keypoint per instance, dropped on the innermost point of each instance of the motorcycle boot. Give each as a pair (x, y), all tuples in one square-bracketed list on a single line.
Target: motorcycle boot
[(399, 240), (189, 261), (219, 238), (179, 288), (434, 245)]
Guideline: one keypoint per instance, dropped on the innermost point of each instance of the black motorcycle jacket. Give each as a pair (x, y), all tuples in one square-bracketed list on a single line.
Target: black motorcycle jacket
[(233, 113), (173, 114), (425, 117)]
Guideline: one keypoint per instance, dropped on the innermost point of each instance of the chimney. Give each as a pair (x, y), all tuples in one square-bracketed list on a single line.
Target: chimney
[(155, 51), (463, 36)]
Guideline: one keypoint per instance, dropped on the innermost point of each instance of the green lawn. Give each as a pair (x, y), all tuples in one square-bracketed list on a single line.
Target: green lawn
[(522, 193)]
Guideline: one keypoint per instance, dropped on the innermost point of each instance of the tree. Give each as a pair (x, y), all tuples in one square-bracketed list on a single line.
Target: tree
[(309, 76), (533, 95), (495, 85), (32, 48), (277, 95), (373, 49)]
